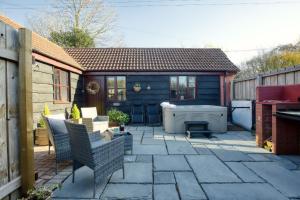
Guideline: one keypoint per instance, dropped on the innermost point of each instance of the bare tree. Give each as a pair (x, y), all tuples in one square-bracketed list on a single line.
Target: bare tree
[(89, 15)]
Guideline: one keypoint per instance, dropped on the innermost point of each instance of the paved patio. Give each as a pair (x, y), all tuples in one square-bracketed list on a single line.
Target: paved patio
[(163, 166), (45, 167)]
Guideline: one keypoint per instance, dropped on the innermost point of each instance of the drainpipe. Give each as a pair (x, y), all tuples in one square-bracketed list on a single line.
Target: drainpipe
[(224, 89)]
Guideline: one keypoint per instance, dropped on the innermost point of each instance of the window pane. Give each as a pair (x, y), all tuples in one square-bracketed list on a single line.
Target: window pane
[(64, 94), (191, 93), (121, 94), (64, 78), (111, 93), (56, 93), (173, 87), (56, 76), (173, 82), (110, 82), (182, 87), (192, 81), (121, 81)]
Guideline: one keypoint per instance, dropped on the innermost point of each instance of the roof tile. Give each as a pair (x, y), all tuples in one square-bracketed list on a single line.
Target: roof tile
[(152, 59), (44, 46)]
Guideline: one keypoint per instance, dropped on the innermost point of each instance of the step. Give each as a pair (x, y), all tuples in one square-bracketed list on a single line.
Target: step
[(192, 134)]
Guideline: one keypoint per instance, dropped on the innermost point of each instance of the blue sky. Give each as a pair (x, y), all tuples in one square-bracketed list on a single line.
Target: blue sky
[(238, 29)]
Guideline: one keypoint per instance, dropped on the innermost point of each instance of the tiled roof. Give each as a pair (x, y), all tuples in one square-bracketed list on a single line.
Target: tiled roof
[(152, 59), (44, 46)]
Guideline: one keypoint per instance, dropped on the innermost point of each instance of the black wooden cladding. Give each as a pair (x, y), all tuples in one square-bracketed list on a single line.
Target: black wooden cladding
[(208, 91)]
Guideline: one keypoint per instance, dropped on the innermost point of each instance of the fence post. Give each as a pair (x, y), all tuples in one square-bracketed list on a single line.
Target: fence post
[(25, 109), (259, 79)]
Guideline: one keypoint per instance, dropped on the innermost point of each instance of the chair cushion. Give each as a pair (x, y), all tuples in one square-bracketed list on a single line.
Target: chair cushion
[(61, 116), (89, 112), (57, 126), (100, 122), (96, 144)]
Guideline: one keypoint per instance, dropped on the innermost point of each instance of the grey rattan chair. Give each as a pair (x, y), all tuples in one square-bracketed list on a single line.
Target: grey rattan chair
[(59, 138), (103, 157)]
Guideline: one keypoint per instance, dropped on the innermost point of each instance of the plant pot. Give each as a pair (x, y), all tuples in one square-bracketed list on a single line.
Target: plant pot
[(137, 88), (41, 137), (77, 121), (113, 124)]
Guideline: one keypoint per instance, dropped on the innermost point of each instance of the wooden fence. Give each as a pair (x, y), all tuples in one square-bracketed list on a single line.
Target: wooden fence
[(245, 89), (13, 141), (9, 119)]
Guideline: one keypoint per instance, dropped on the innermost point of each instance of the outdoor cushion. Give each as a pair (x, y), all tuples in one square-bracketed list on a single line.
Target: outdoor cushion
[(57, 116), (57, 126), (92, 121), (89, 112)]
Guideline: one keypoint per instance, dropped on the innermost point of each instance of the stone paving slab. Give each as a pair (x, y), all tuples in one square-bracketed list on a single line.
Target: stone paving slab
[(154, 141), (244, 191), (293, 158), (282, 161), (202, 149), (127, 192), (144, 158), (170, 163), (209, 169), (136, 132), (134, 173), (201, 140), (259, 157), (229, 153), (149, 149), (188, 186), (250, 149), (82, 188), (282, 179), (169, 138), (164, 177), (165, 192), (244, 173), (180, 138), (180, 147), (129, 158)]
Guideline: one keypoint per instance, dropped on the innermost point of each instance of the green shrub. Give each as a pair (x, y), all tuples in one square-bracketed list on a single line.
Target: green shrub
[(46, 112), (118, 116), (75, 113)]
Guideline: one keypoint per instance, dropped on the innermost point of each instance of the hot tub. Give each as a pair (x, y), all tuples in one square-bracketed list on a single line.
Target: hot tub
[(174, 117)]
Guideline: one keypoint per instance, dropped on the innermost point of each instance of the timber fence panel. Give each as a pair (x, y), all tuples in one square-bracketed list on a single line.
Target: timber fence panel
[(10, 179), (245, 89)]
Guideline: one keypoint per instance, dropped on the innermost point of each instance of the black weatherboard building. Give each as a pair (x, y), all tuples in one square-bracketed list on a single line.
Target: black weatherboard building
[(125, 76)]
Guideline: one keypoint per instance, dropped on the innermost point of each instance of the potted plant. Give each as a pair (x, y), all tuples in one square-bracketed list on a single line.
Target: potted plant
[(41, 133), (118, 118), (137, 87), (42, 193), (75, 114)]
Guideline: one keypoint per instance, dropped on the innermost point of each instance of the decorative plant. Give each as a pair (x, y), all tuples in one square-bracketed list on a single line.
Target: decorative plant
[(75, 113), (41, 193), (45, 112), (118, 116), (137, 87)]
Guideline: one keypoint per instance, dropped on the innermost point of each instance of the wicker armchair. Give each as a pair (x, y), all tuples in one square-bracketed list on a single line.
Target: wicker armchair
[(153, 114), (137, 113), (58, 137), (92, 121), (103, 157)]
